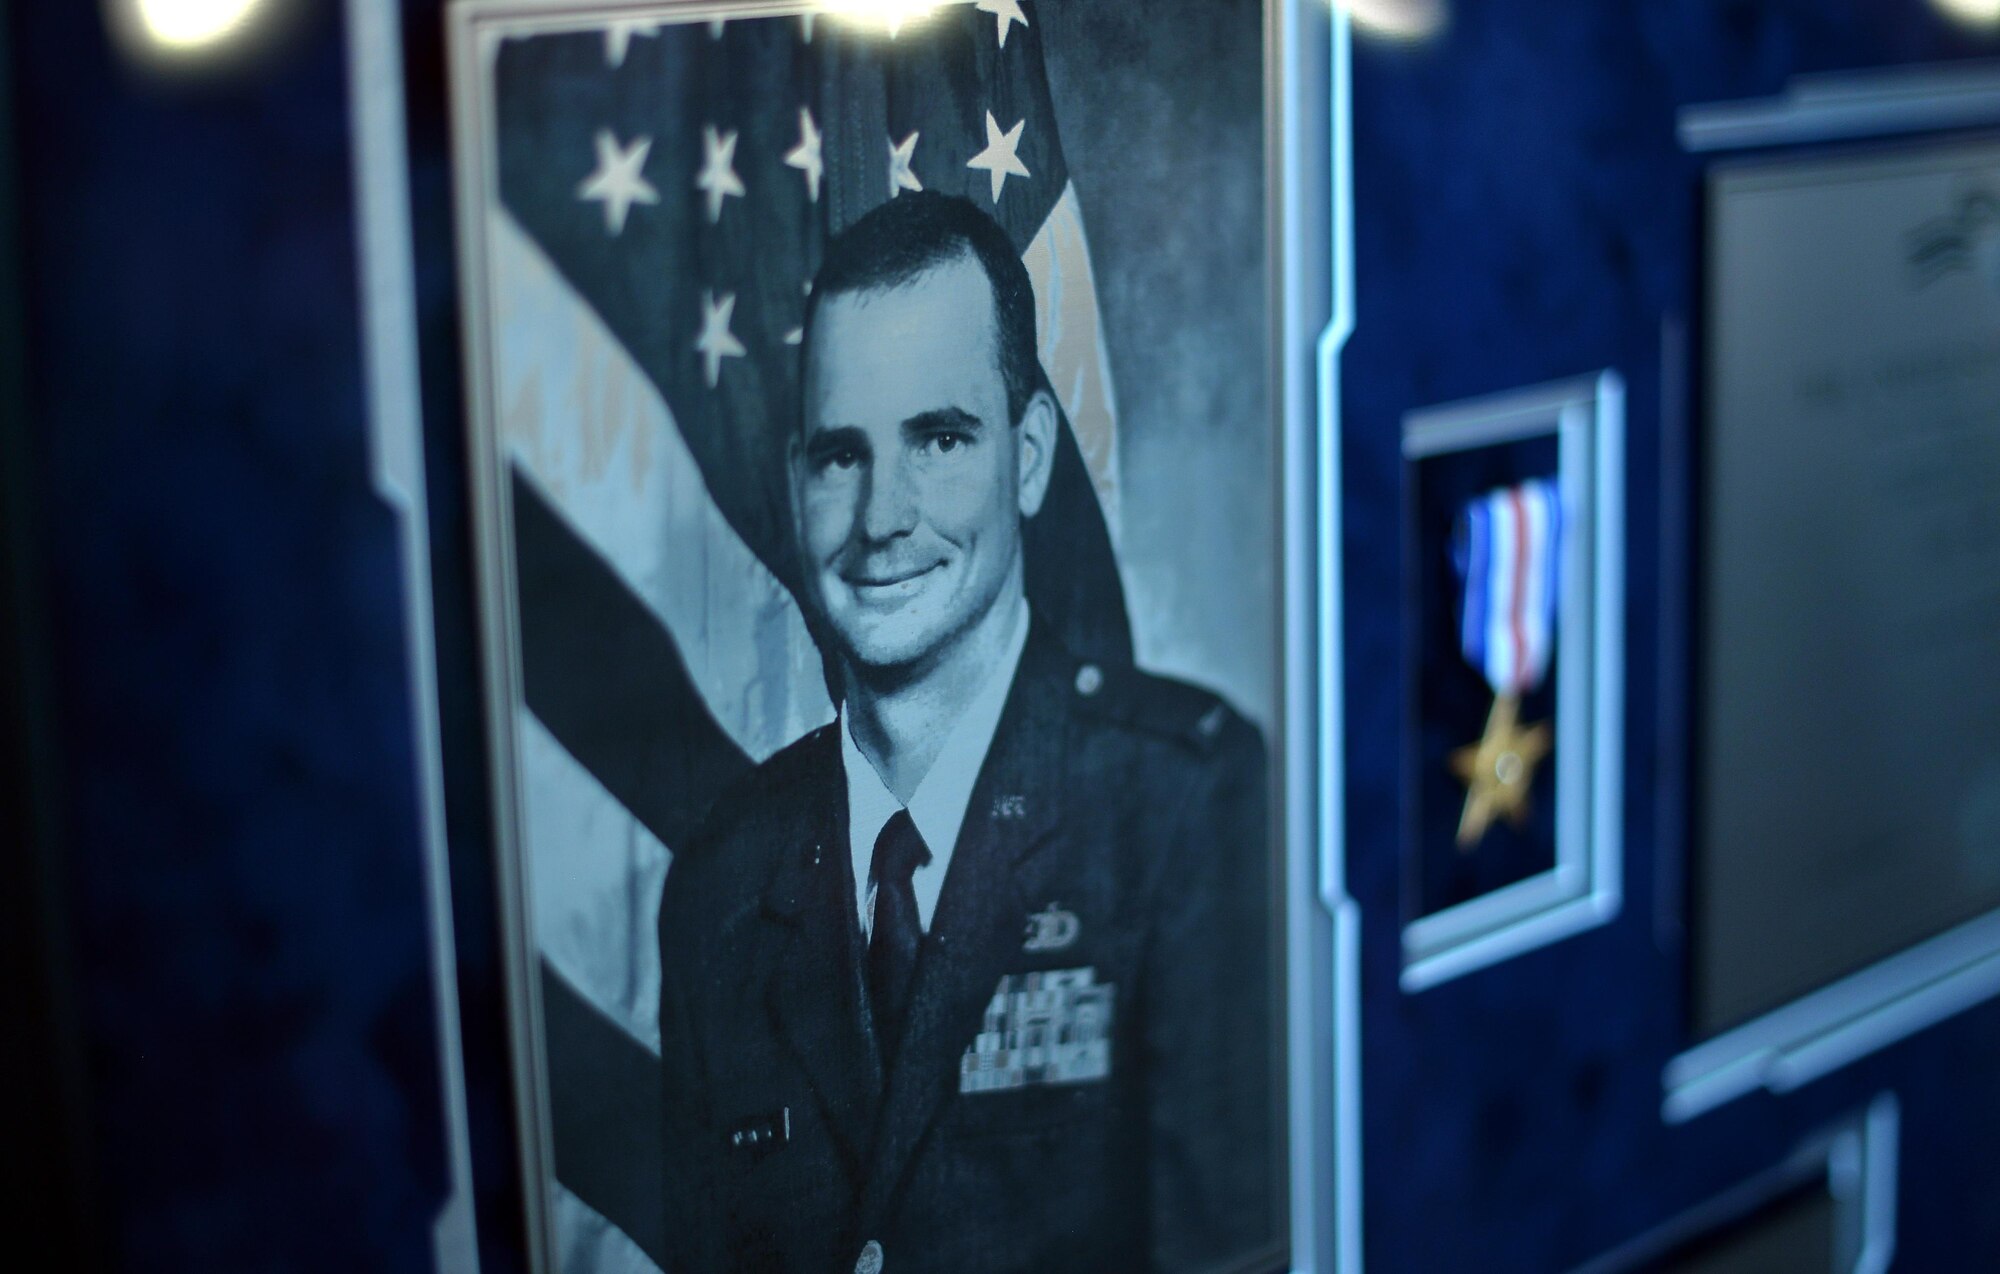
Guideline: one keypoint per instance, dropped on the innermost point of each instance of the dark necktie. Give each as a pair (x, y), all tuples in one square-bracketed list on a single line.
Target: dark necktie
[(892, 948)]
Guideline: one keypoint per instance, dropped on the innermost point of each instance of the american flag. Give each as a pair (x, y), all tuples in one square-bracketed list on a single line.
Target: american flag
[(665, 190)]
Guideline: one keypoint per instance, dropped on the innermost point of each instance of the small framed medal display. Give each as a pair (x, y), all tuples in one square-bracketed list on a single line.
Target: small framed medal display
[(1512, 598)]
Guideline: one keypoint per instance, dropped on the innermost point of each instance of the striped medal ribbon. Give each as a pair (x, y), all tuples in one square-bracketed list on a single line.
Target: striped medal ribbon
[(1506, 548)]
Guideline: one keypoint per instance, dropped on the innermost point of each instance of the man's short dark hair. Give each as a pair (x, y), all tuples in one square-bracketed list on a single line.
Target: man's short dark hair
[(916, 232)]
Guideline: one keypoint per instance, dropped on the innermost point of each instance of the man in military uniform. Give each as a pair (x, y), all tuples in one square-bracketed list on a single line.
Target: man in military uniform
[(979, 976)]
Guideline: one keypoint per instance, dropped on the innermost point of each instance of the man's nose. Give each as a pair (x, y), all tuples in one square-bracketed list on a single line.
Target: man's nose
[(890, 506)]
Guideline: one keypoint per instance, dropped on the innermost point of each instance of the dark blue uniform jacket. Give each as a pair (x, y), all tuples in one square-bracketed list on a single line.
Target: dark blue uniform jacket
[(1136, 805)]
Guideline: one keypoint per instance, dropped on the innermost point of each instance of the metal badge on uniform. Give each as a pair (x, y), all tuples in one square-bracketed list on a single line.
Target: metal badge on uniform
[(1010, 808), (1052, 1027), (761, 1134), (1052, 929), (1212, 721)]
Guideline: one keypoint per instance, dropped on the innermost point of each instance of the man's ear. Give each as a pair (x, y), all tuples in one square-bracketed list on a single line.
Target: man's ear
[(794, 457), (1037, 431)]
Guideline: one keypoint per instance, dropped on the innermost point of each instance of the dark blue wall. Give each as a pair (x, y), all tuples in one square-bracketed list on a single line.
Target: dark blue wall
[(234, 798), (1522, 213)]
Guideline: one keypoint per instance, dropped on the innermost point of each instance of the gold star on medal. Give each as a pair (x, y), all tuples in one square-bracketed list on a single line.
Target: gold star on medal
[(1498, 770)]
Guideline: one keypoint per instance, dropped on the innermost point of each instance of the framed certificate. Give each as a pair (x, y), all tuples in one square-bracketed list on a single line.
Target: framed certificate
[(1845, 815), (884, 534)]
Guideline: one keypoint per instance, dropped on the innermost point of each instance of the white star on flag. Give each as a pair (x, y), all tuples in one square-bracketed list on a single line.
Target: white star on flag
[(718, 169), (716, 342), (806, 155), (999, 159), (900, 176), (618, 37), (1005, 13), (617, 183)]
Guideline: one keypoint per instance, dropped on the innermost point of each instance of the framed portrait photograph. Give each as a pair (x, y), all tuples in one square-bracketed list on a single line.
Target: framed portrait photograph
[(881, 498)]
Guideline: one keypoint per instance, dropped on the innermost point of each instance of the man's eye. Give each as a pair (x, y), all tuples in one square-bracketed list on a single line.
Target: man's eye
[(946, 443), (840, 458)]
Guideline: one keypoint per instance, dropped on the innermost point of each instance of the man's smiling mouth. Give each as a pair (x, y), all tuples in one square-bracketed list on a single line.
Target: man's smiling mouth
[(888, 582)]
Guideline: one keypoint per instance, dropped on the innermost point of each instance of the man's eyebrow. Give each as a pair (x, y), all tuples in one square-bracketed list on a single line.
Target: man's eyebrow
[(953, 418), (828, 437)]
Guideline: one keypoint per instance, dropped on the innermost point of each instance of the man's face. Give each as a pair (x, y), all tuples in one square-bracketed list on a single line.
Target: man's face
[(908, 472)]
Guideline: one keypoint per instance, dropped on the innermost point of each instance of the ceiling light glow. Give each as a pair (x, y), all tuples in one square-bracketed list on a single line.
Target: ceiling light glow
[(889, 15), (190, 26), (1980, 13), (1403, 19)]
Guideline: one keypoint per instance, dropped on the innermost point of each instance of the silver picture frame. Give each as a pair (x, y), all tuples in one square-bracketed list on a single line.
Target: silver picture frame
[(1322, 900), (1318, 1023), (388, 294)]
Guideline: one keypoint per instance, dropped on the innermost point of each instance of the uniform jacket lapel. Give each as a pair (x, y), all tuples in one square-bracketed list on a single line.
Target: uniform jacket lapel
[(1003, 852), (816, 997)]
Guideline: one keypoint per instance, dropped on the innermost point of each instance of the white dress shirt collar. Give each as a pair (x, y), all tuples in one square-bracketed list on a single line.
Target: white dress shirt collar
[(938, 805)]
